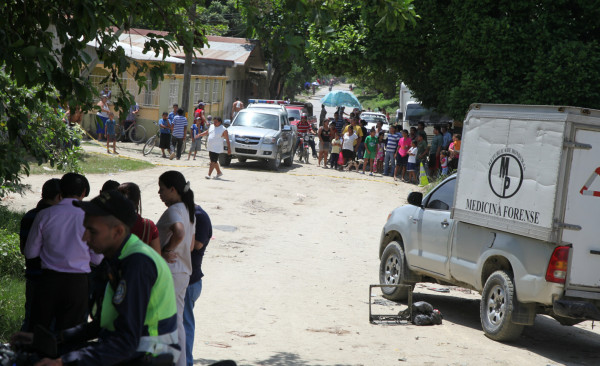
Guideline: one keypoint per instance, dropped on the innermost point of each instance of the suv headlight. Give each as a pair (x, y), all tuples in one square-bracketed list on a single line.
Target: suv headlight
[(269, 140)]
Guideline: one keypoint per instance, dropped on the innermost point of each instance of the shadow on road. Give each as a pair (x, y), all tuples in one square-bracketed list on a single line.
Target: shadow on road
[(547, 338), (277, 359), (256, 165)]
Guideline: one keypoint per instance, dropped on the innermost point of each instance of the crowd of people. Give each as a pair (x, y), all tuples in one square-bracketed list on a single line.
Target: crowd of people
[(396, 153), (102, 260)]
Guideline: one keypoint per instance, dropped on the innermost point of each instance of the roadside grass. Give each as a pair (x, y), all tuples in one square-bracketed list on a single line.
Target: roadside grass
[(92, 163), (377, 102), (12, 265), (12, 302)]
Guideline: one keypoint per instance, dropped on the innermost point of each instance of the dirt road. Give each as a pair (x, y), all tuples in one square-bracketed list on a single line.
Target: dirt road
[(288, 269)]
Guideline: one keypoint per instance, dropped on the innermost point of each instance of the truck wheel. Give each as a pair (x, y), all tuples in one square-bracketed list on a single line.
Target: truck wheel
[(289, 160), (241, 159), (274, 164), (496, 309), (224, 159), (392, 271)]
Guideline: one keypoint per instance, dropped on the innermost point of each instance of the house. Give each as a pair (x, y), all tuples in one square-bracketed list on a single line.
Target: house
[(222, 70)]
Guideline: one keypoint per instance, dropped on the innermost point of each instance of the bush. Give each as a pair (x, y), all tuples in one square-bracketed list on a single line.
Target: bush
[(12, 262), (10, 220)]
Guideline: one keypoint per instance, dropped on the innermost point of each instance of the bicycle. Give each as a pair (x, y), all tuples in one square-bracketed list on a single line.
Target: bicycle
[(135, 132), (154, 140)]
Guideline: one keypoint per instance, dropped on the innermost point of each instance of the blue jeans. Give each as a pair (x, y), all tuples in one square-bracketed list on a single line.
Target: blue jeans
[(389, 160), (360, 151), (191, 295)]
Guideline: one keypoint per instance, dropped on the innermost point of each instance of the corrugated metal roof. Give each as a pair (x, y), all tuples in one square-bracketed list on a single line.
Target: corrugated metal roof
[(135, 52), (237, 50)]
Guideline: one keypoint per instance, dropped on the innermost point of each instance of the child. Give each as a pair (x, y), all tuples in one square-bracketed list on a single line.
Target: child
[(336, 146), (196, 138), (370, 151), (109, 131), (380, 152), (411, 167), (165, 127), (444, 161)]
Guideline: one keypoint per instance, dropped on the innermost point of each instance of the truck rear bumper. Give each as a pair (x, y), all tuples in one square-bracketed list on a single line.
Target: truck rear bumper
[(576, 309)]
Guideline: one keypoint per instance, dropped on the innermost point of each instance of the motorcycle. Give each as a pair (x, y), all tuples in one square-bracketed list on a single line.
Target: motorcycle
[(303, 150)]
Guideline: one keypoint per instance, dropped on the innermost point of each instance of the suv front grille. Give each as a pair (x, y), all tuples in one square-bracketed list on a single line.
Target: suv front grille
[(247, 140), (245, 151)]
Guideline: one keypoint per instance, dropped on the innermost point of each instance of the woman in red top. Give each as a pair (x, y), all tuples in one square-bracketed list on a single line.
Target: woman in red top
[(143, 228)]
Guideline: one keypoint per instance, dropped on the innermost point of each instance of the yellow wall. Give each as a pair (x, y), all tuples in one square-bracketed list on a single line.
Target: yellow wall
[(153, 103)]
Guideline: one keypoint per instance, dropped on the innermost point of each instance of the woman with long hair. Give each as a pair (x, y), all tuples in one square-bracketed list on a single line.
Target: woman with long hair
[(176, 229), (143, 228)]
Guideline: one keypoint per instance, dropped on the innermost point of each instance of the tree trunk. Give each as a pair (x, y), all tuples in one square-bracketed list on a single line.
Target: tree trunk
[(274, 90), (187, 67)]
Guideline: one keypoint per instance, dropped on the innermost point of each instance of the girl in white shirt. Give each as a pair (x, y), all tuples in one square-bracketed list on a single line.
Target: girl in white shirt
[(411, 167), (176, 228)]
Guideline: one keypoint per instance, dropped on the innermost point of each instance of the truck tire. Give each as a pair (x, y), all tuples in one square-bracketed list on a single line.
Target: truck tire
[(273, 164), (288, 161), (393, 271), (241, 159), (224, 159), (496, 308)]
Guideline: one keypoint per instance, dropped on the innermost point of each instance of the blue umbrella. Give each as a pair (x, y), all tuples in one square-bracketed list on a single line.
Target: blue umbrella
[(340, 98)]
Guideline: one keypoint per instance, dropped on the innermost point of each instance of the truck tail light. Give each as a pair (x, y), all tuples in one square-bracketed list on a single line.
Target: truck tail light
[(557, 267)]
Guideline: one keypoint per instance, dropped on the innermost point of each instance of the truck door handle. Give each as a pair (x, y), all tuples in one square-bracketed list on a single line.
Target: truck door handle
[(445, 224)]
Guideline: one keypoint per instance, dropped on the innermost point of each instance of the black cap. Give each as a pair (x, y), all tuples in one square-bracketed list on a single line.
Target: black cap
[(110, 203)]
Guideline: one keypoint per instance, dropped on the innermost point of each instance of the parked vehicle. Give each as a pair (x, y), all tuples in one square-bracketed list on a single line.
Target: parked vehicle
[(413, 112), (261, 133), (373, 118), (517, 223)]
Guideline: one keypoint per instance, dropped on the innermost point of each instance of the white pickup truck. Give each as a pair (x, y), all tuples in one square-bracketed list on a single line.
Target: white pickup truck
[(519, 222)]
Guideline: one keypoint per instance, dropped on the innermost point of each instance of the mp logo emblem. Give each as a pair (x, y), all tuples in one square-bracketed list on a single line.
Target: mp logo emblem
[(506, 174)]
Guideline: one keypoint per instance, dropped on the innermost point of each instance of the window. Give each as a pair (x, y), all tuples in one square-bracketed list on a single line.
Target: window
[(216, 95), (197, 90), (206, 91), (443, 197), (174, 92)]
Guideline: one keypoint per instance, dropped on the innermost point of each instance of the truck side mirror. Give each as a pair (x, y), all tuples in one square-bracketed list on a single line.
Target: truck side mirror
[(415, 198)]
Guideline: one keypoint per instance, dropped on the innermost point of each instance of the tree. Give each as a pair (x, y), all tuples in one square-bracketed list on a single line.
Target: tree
[(222, 18), (462, 52), (43, 54), (284, 28)]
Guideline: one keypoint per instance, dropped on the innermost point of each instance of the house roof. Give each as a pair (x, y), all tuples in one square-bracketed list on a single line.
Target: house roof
[(136, 53), (240, 51)]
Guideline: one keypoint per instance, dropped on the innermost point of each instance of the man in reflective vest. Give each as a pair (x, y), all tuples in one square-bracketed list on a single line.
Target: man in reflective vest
[(138, 319)]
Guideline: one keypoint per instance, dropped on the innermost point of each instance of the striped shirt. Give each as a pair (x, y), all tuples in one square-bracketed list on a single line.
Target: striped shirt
[(179, 124), (392, 142)]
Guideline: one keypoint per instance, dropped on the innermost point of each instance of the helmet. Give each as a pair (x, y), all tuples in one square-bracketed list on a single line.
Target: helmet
[(303, 115)]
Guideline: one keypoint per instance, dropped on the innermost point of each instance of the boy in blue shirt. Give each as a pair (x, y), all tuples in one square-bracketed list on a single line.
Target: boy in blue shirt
[(109, 131), (166, 127), (196, 138)]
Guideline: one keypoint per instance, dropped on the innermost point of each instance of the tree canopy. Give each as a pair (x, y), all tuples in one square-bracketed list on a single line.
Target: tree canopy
[(43, 55), (460, 52)]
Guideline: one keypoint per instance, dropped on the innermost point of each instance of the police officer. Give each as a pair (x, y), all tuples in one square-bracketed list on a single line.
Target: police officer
[(138, 318)]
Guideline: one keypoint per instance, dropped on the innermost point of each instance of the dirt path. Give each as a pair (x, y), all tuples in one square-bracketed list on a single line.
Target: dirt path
[(288, 269)]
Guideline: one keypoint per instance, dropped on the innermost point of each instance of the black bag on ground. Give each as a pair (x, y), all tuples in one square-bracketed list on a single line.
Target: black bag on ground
[(425, 314)]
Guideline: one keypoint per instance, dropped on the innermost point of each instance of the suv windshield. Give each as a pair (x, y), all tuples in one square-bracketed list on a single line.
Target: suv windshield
[(295, 113), (254, 119), (373, 118)]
